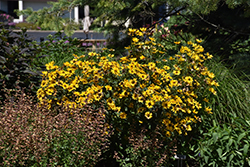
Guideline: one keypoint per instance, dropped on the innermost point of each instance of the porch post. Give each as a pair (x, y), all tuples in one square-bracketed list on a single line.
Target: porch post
[(20, 7), (76, 14)]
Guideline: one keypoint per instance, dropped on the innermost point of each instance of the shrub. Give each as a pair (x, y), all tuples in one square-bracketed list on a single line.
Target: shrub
[(135, 88), (226, 144), (25, 25), (35, 136), (5, 18), (146, 89), (146, 149), (18, 60), (60, 48)]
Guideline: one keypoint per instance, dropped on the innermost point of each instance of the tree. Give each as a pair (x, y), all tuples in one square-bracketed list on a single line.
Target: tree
[(50, 18)]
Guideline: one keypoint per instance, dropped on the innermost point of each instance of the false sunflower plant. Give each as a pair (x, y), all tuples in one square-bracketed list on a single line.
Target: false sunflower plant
[(147, 87)]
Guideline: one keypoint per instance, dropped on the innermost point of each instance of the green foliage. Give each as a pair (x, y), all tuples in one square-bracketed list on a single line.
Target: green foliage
[(233, 94), (145, 89), (60, 49), (18, 60), (225, 32), (146, 149), (50, 18), (226, 144), (28, 26)]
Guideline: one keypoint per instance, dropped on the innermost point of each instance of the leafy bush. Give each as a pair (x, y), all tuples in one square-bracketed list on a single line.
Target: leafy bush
[(28, 26), (145, 89), (32, 135), (6, 18), (146, 149), (60, 48), (18, 60), (226, 144)]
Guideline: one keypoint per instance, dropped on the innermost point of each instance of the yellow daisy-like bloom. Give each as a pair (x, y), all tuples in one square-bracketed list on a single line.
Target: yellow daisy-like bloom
[(108, 87), (44, 83), (141, 109), (142, 57), (150, 103), (188, 80), (176, 72), (143, 29), (166, 67), (173, 83), (168, 134), (177, 43), (123, 115), (199, 40), (188, 128), (208, 110), (135, 39), (171, 58), (115, 71), (148, 115)]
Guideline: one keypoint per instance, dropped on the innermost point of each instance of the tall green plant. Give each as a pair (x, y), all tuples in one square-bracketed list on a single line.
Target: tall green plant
[(18, 60), (233, 94)]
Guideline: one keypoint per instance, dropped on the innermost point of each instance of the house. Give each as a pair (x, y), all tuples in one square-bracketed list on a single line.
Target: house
[(9, 6)]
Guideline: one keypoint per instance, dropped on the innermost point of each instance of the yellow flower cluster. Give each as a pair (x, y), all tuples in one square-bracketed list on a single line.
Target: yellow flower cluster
[(136, 86)]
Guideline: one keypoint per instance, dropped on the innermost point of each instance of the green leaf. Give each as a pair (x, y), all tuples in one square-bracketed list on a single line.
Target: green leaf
[(230, 142), (245, 149), (206, 159), (215, 137), (231, 157), (219, 150), (241, 136)]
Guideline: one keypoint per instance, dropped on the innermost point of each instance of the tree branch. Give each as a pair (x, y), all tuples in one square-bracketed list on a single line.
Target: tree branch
[(222, 28)]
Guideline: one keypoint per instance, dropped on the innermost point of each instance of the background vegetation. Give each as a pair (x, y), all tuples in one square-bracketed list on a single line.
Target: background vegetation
[(216, 139)]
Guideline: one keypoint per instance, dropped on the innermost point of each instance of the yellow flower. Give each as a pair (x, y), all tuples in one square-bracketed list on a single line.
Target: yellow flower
[(199, 40), (176, 72), (166, 67), (141, 109), (173, 83), (143, 29), (91, 53), (108, 87), (150, 103), (168, 134), (171, 58), (123, 115), (135, 39), (208, 110), (148, 115), (115, 71), (178, 42), (188, 80), (188, 128), (142, 57), (44, 83), (212, 90)]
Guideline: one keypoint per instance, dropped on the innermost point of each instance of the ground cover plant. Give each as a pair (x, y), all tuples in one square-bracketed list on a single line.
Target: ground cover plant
[(32, 135)]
